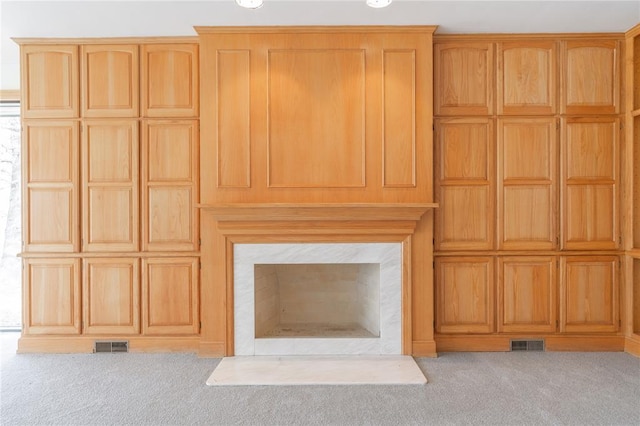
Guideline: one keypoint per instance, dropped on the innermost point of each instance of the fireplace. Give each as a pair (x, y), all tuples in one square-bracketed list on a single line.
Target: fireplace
[(317, 298)]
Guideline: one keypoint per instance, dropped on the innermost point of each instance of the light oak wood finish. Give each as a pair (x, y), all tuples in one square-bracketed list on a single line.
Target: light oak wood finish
[(465, 176), (85, 344), (527, 73), (465, 75), (110, 80), (590, 77), (502, 343), (51, 296), (590, 183), (12, 95), (635, 297), (50, 76), (170, 185), (465, 295), (50, 188), (632, 345), (111, 296), (527, 184), (170, 289), (110, 187), (169, 80), (527, 294), (589, 294)]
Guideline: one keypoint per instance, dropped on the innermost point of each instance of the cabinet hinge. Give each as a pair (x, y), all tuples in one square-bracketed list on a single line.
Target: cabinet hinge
[(200, 324)]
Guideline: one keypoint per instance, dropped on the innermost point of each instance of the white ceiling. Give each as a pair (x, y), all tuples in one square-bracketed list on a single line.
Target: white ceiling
[(162, 18)]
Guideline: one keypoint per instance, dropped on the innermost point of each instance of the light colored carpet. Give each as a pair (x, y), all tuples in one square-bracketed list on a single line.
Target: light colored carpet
[(317, 370), (536, 388)]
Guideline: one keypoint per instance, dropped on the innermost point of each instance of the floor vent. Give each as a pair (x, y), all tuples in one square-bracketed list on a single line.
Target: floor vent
[(527, 345), (111, 346)]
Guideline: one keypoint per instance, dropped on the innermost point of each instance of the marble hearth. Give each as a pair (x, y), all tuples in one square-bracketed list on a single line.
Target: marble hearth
[(318, 299)]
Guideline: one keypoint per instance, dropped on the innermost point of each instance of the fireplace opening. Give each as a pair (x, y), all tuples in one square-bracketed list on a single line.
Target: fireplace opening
[(326, 300)]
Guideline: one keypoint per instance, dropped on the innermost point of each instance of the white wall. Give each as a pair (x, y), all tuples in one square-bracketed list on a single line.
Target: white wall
[(160, 18)]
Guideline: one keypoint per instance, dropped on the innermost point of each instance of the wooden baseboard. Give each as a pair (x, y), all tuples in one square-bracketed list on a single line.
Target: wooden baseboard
[(425, 348), (84, 344), (211, 350), (632, 345), (496, 343)]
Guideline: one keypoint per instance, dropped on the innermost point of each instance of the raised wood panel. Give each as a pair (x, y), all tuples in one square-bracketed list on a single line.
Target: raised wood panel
[(110, 185), (169, 80), (635, 177), (527, 294), (110, 80), (317, 122), (51, 296), (465, 173), (111, 296), (170, 294), (170, 185), (527, 183), (635, 291), (527, 78), (589, 294), (233, 118), (464, 75), (50, 81), (50, 186), (591, 77), (399, 118), (465, 295), (590, 180)]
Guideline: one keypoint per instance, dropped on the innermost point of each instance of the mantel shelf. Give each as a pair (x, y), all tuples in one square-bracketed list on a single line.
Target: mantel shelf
[(322, 212)]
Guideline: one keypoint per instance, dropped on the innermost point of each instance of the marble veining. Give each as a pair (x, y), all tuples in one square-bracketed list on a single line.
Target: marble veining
[(388, 255)]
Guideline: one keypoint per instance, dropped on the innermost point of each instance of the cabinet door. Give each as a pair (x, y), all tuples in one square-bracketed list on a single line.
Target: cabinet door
[(589, 294), (169, 80), (527, 294), (170, 185), (111, 296), (590, 183), (170, 296), (110, 185), (464, 295), (110, 80), (464, 78), (50, 83), (527, 78), (51, 296), (50, 186), (591, 77), (527, 181), (465, 182)]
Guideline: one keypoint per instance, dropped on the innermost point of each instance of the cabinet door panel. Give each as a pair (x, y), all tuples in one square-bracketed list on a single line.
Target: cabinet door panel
[(50, 186), (170, 296), (527, 182), (464, 295), (527, 294), (111, 296), (591, 77), (527, 78), (590, 183), (170, 185), (465, 173), (169, 80), (110, 80), (464, 78), (589, 294), (110, 185), (50, 81), (51, 296)]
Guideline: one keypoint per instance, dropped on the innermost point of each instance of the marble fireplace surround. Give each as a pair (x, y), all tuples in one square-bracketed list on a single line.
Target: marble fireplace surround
[(403, 228)]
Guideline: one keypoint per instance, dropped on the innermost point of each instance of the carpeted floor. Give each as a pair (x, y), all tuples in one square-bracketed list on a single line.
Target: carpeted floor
[(464, 388)]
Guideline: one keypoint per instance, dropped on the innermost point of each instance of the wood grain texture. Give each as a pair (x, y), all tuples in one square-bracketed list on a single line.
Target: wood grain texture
[(85, 344), (110, 80), (169, 80), (49, 81)]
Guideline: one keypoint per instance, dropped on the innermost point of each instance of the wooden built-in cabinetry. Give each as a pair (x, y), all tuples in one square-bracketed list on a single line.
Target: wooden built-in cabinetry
[(110, 171), (528, 178)]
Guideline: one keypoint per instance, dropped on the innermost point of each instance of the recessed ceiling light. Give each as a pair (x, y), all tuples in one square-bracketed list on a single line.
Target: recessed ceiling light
[(378, 3), (250, 4)]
